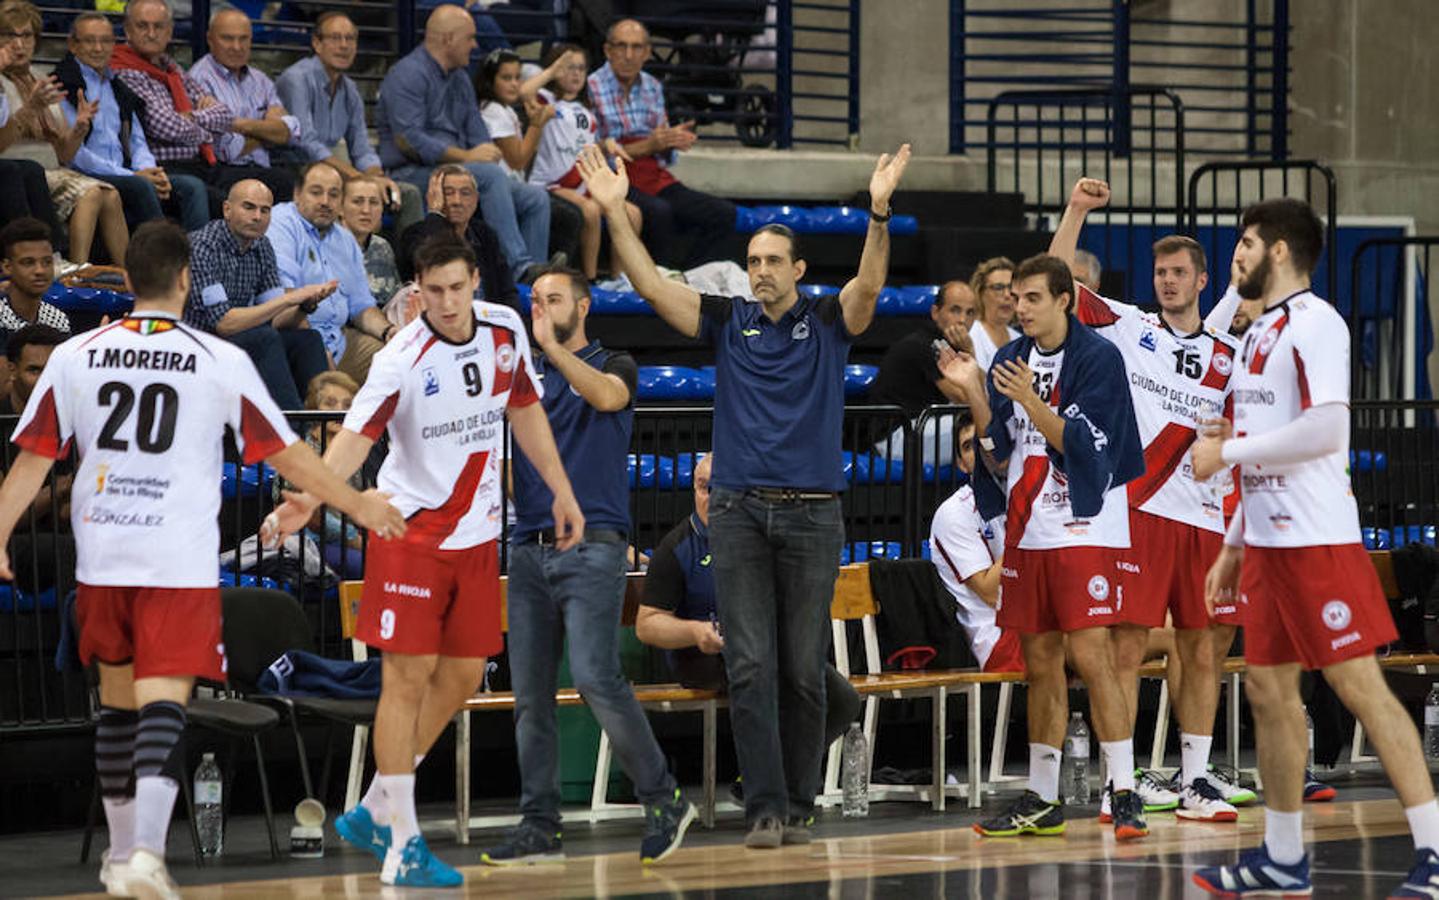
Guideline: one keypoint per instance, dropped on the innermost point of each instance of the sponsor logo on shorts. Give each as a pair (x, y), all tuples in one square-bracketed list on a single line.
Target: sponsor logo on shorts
[(1336, 615), (1344, 640), (1007, 572), (1100, 611), (1124, 565), (1227, 610), (505, 358), (1099, 589), (418, 591)]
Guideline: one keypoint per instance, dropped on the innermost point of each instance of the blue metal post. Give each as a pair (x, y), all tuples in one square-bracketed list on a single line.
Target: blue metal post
[(958, 101), (784, 75), (853, 111), (199, 25), (1279, 92), (1120, 113)]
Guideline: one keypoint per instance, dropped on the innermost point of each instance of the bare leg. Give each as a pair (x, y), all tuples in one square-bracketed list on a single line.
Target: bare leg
[(454, 681), (112, 226), (1279, 733), (404, 680), (1128, 643), (1198, 698), (589, 232), (1361, 687), (83, 220)]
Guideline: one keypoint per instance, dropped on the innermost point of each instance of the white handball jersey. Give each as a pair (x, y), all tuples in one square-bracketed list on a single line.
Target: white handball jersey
[(1176, 381), (146, 401), (962, 544), (984, 346), (1295, 355), (571, 130), (443, 405), (1039, 515)]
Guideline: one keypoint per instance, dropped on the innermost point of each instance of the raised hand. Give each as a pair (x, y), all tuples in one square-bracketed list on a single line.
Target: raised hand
[(435, 192), (85, 110), (957, 336), (1088, 194), (538, 111), (962, 370), (606, 186), (887, 172), (542, 324), (1015, 380)]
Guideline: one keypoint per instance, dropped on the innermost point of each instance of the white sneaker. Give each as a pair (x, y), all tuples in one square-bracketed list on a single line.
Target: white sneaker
[(1227, 781), (1154, 790), (114, 876), (1200, 801), (148, 878)]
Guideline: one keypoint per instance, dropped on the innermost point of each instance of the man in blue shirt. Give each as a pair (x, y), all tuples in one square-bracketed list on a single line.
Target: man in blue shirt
[(311, 249), (428, 114), (774, 512), (589, 398), (116, 151)]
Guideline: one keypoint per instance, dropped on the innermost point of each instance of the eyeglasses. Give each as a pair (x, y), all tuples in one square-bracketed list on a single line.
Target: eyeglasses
[(576, 67), (336, 37), (998, 287), (17, 35)]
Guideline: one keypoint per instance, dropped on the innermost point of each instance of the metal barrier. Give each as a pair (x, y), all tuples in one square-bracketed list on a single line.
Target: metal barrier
[(1394, 470), (1390, 329)]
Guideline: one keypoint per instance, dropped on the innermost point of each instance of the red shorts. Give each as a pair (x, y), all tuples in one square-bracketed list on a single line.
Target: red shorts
[(1312, 605), (1066, 589), (1006, 655), (422, 601), (1172, 559), (160, 631)]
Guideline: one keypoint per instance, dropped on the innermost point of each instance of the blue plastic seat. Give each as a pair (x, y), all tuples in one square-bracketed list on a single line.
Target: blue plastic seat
[(858, 378), (89, 300), (1402, 535), (245, 481), (862, 551), (1368, 460), (865, 468)]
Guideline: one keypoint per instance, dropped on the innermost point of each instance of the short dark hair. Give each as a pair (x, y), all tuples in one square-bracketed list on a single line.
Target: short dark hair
[(579, 285), (41, 335), (441, 251), (554, 53), (784, 231), (159, 251), (306, 169), (617, 21), (489, 68), (1056, 274), (1292, 221), (1175, 243), (329, 16), (22, 230), (962, 419), (89, 16), (953, 282)]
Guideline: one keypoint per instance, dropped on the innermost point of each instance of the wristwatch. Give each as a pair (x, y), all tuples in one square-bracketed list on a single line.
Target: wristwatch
[(876, 217)]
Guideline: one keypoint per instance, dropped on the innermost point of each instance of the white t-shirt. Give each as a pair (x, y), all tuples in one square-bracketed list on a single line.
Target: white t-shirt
[(443, 405), (572, 129), (1175, 381), (984, 347), (502, 122), (1039, 514), (962, 544), (1295, 355), (146, 401)]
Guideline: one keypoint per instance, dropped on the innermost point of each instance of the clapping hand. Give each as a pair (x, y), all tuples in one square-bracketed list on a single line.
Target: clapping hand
[(676, 137), (887, 172), (542, 324), (85, 110), (606, 186), (1015, 380), (616, 149), (961, 369)]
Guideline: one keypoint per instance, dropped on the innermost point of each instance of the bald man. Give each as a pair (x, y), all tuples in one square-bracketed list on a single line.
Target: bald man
[(428, 115), (235, 292), (225, 73)]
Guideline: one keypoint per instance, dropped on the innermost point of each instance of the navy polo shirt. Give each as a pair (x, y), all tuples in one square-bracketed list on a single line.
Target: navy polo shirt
[(681, 578), (592, 445), (779, 393)]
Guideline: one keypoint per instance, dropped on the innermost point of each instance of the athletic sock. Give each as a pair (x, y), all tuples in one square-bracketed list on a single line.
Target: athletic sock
[(1119, 757), (1194, 757), (1424, 823), (1044, 771), (115, 771), (1284, 836), (400, 799), (374, 799), (161, 725)]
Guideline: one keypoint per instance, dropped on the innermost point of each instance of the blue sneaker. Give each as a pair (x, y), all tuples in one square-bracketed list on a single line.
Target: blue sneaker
[(359, 828), (418, 867), (1423, 880), (1257, 875), (665, 827)]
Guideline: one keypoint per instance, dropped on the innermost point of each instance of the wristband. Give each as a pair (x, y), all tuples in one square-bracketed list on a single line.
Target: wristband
[(987, 443), (876, 217)]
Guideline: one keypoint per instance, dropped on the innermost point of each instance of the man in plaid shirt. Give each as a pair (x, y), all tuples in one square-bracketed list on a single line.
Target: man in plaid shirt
[(629, 106)]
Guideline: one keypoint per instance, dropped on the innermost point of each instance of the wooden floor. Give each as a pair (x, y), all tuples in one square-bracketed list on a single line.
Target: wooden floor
[(1361, 848)]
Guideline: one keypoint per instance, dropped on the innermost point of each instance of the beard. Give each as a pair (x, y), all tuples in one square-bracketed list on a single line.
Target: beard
[(1252, 286), (566, 330)]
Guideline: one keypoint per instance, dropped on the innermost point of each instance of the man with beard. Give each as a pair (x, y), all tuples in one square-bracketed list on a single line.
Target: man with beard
[(453, 200)]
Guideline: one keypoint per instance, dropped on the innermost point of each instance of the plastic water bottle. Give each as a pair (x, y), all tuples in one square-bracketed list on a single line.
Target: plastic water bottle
[(1075, 776), (1309, 727), (855, 775), (209, 817), (1431, 724)]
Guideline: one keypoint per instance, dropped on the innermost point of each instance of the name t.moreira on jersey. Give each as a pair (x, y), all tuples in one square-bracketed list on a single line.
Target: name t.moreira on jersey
[(130, 358)]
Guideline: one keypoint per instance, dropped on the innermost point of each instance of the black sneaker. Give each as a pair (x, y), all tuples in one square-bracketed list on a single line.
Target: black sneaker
[(765, 834), (526, 846), (797, 830), (736, 790), (1127, 808), (665, 826), (1027, 815)]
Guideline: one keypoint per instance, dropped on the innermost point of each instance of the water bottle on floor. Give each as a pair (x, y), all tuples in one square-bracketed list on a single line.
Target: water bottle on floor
[(1075, 776), (1431, 724), (855, 773), (209, 816)]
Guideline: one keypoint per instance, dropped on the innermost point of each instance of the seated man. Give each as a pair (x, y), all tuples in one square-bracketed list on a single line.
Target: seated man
[(310, 248), (28, 259), (235, 292), (116, 150), (428, 114), (327, 104), (629, 106), (679, 614), (453, 201)]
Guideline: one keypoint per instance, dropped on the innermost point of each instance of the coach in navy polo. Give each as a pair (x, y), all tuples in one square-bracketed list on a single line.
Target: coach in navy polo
[(589, 398), (774, 512)]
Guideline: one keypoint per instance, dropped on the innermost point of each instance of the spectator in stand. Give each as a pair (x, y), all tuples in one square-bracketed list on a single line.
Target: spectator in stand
[(630, 106), (572, 127), (909, 375), (497, 85), (994, 328), (1086, 269), (23, 189), (311, 249), (26, 353), (428, 115), (361, 208), (235, 292), (42, 134), (116, 151), (327, 104), (183, 122), (28, 259), (453, 201)]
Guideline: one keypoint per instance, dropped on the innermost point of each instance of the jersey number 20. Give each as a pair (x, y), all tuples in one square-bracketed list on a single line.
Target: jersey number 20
[(155, 430)]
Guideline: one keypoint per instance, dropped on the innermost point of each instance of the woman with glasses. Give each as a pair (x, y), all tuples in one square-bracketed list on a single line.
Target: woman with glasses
[(994, 328)]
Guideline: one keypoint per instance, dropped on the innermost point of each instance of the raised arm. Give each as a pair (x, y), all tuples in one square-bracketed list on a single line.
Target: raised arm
[(1088, 195), (858, 297), (677, 304)]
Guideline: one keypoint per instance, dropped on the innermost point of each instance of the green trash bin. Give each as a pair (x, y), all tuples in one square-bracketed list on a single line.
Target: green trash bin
[(579, 732)]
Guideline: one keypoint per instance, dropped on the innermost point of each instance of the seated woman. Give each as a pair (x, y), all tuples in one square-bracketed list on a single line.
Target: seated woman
[(361, 209)]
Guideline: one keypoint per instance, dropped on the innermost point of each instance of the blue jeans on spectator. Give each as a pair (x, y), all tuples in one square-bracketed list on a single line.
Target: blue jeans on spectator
[(519, 213), (579, 592), (774, 567), (138, 198), (190, 201), (286, 358)]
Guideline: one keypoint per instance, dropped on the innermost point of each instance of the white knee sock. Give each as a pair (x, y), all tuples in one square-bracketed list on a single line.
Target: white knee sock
[(120, 819), (399, 793), (1284, 836), (1194, 756), (1044, 771), (154, 800), (1424, 823), (1119, 757)]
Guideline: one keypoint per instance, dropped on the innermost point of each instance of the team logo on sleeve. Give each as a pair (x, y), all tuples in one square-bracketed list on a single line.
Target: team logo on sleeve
[(1336, 615), (1099, 588), (432, 382), (505, 358), (800, 330), (1148, 341), (1266, 343), (1221, 363)]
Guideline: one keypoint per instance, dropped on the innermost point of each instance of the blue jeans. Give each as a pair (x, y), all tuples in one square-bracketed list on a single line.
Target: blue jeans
[(519, 213), (286, 358), (190, 199), (579, 592), (774, 568)]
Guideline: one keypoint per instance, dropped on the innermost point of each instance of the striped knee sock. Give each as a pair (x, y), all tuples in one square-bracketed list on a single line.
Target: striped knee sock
[(115, 770), (162, 724)]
